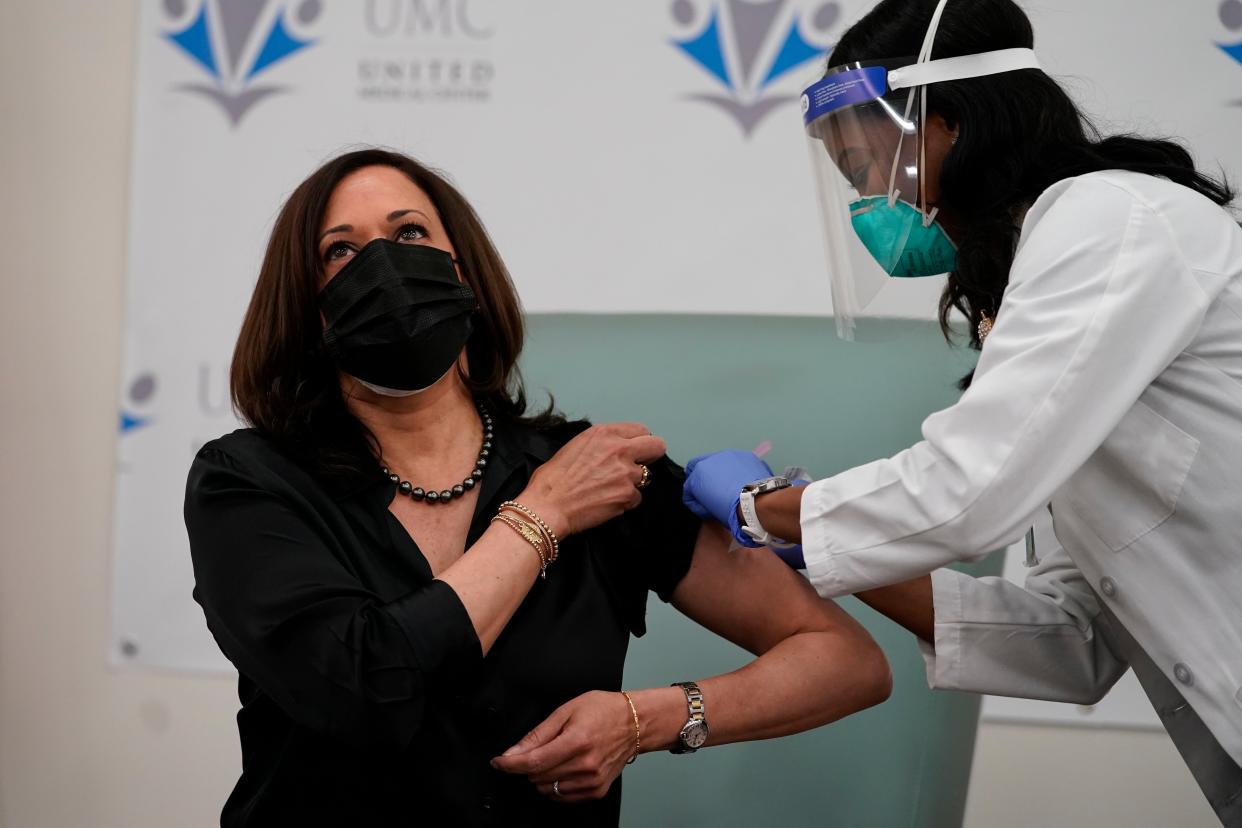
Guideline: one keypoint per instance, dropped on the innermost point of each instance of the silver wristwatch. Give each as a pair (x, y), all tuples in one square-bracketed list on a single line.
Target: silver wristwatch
[(694, 733), (751, 527)]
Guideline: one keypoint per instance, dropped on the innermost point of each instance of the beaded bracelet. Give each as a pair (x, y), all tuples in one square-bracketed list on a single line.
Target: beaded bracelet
[(638, 734), (532, 536), (549, 536), (553, 542)]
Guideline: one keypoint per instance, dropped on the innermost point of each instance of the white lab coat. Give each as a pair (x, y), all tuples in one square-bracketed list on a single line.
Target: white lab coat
[(1110, 388)]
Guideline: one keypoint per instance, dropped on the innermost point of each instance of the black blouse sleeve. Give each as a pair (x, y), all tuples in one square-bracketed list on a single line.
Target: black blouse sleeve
[(649, 549), (666, 529), (291, 617)]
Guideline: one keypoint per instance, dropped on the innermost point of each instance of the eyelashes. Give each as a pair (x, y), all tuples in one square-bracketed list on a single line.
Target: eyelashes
[(411, 232), (335, 251), (408, 233), (859, 176)]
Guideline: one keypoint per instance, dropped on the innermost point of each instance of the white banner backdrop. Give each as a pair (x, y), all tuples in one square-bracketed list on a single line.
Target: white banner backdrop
[(626, 156)]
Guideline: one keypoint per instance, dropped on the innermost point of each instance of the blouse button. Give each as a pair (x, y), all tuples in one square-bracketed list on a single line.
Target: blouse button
[(1182, 673), (1109, 587)]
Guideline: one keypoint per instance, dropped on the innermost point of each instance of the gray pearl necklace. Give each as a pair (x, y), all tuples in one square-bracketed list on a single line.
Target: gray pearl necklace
[(413, 492)]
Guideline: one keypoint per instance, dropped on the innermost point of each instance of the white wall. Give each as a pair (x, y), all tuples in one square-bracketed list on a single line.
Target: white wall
[(1044, 776), (82, 745)]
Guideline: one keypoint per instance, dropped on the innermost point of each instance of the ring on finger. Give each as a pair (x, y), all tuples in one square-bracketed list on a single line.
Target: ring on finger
[(646, 478), (556, 788)]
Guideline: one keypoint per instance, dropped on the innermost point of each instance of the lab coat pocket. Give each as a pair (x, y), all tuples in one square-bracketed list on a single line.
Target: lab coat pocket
[(1131, 484)]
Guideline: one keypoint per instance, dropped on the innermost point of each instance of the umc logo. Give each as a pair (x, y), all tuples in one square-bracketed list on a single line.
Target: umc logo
[(747, 45), (1231, 17), (234, 41), (136, 406)]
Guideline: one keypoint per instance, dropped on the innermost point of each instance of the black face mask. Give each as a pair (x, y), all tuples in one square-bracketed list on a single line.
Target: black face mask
[(397, 317)]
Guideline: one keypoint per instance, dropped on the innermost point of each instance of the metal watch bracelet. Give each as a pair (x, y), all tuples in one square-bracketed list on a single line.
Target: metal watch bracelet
[(694, 732)]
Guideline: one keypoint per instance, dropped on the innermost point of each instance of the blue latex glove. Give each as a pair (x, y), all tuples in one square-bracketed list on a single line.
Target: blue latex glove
[(792, 556), (714, 484)]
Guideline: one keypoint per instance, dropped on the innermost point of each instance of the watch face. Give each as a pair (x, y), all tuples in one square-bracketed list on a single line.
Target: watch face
[(694, 735)]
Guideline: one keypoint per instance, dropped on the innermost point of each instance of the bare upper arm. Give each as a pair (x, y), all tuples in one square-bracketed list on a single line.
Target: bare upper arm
[(751, 597)]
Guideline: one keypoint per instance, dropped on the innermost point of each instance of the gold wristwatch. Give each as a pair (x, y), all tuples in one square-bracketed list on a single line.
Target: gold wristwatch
[(694, 733)]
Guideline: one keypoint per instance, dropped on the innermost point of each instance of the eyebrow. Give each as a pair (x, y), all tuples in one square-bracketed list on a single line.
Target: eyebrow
[(844, 156), (393, 216)]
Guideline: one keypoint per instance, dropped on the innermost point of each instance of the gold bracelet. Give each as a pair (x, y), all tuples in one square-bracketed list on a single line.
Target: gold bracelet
[(638, 733), (553, 542), (531, 535), (527, 530)]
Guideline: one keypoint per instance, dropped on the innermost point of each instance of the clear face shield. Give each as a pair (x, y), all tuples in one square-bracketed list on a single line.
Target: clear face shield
[(867, 150), (866, 127)]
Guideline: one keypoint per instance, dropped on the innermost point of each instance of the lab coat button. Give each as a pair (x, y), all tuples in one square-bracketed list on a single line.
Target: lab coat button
[(1182, 673), (1109, 587)]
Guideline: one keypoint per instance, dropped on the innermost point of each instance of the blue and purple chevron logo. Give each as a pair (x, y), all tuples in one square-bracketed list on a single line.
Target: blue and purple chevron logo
[(234, 41), (747, 46), (136, 405), (1231, 16)]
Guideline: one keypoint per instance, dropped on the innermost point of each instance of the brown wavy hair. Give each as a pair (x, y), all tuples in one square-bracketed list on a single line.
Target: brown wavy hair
[(283, 382)]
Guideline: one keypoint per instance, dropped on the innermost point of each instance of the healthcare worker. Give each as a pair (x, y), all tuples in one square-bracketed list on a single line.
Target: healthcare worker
[(1102, 279)]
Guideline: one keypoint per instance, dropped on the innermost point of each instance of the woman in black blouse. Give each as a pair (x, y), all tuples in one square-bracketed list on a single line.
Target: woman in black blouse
[(401, 660)]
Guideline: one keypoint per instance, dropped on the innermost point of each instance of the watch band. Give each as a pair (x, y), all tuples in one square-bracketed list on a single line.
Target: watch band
[(751, 526), (694, 700), (697, 715)]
